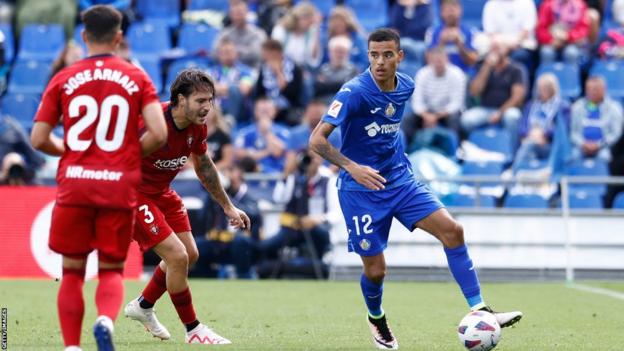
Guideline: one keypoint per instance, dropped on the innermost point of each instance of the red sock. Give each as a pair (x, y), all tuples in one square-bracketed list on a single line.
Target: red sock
[(70, 304), (156, 286), (183, 303), (110, 292)]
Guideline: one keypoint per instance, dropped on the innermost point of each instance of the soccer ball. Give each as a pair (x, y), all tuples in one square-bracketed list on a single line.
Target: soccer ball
[(479, 330)]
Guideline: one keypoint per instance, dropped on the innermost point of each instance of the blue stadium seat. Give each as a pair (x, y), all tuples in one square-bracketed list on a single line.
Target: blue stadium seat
[(588, 167), (152, 68), (585, 200), (9, 42), (181, 64), (166, 12), (493, 139), (532, 164), (618, 201), (29, 77), (148, 40), (197, 37), (78, 36), (473, 11), (370, 14), (41, 42), (216, 5), (569, 77), (22, 107), (262, 189), (525, 201), (410, 67), (482, 168), (462, 200), (613, 73)]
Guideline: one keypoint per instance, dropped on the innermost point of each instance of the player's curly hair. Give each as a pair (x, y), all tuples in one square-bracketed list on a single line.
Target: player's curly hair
[(189, 81)]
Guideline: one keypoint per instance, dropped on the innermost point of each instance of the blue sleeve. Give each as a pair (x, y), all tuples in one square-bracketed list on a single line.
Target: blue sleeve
[(340, 107), (468, 43), (434, 38)]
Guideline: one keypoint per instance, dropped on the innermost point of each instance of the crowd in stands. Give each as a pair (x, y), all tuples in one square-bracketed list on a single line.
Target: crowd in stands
[(524, 88)]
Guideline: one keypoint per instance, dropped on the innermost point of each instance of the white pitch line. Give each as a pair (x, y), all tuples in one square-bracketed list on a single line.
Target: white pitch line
[(599, 291)]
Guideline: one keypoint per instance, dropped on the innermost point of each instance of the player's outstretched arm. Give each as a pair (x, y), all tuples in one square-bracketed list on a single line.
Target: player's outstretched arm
[(42, 139), (364, 175), (209, 177), (156, 135)]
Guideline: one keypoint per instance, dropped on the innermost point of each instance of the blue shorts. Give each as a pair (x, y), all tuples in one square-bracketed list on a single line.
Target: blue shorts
[(369, 214)]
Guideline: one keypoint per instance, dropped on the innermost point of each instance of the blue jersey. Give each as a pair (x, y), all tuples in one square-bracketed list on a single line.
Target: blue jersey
[(370, 121)]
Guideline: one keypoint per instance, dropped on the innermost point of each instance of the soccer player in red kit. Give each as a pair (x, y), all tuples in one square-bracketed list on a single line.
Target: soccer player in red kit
[(162, 221), (100, 100)]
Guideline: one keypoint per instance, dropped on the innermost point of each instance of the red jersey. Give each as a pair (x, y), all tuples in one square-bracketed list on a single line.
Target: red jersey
[(161, 166), (100, 100)]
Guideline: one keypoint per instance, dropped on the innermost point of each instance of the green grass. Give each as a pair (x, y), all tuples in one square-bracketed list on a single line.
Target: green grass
[(294, 315)]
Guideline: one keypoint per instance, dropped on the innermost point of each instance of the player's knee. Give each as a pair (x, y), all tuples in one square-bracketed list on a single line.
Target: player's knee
[(454, 235), (178, 259), (193, 256), (376, 274)]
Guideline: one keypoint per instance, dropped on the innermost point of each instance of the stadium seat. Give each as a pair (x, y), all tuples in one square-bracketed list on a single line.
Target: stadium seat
[(28, 77), (462, 200), (569, 77), (482, 168), (613, 73), (41, 42), (166, 12), (525, 201), (78, 36), (152, 68), (9, 42), (148, 40), (262, 189), (618, 202), (370, 14), (216, 5), (181, 64), (473, 11), (585, 200), (410, 67), (22, 107), (493, 139), (197, 37), (587, 168)]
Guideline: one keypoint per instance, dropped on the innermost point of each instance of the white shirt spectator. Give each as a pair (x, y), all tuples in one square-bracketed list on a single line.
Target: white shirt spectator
[(508, 19), (445, 93)]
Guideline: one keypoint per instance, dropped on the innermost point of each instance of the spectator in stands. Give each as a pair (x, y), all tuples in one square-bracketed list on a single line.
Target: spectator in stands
[(512, 23), (247, 37), (563, 30), (70, 54), (332, 75), (234, 81), (596, 122), (264, 141), (19, 159), (281, 79), (537, 126), (270, 11), (219, 141), (342, 22), (612, 45), (618, 11), (222, 245), (437, 103), (62, 12), (411, 18), (299, 33), (500, 85), (299, 135), (454, 37)]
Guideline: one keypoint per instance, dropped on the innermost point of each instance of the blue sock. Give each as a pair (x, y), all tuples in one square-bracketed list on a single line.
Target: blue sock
[(464, 273), (372, 296)]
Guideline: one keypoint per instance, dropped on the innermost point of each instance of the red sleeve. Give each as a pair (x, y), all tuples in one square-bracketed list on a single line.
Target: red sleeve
[(581, 30), (149, 93), (50, 109), (200, 145), (544, 21)]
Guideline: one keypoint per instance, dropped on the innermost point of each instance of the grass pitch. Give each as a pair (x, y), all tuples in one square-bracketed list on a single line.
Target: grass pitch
[(306, 315)]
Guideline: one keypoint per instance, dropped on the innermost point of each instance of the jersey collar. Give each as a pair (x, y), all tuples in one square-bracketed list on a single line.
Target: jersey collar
[(396, 82)]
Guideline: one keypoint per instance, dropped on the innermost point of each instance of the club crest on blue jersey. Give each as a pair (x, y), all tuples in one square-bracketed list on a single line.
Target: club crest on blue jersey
[(365, 244), (390, 110)]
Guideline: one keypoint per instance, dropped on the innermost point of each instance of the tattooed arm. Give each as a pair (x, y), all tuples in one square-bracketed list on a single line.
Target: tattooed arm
[(364, 175), (209, 177)]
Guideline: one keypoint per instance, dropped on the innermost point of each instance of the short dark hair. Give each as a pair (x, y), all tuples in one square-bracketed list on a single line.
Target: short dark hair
[(385, 34), (101, 23), (189, 81), (272, 45)]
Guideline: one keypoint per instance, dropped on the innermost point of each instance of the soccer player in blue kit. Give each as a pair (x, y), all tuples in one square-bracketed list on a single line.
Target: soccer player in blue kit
[(376, 182)]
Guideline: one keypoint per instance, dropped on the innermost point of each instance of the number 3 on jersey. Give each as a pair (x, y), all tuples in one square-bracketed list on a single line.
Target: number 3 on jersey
[(149, 216), (366, 221), (90, 116)]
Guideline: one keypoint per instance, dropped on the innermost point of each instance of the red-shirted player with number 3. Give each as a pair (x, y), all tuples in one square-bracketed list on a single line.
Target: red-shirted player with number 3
[(162, 222), (100, 100)]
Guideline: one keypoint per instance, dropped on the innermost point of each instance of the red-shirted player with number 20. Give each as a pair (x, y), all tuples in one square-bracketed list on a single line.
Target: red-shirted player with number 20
[(100, 100), (162, 221)]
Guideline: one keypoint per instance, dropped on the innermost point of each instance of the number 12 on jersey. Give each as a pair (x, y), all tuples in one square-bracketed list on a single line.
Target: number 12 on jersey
[(366, 220)]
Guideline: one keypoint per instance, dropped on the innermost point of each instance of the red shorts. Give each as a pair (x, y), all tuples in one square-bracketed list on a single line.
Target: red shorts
[(157, 217), (78, 230)]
